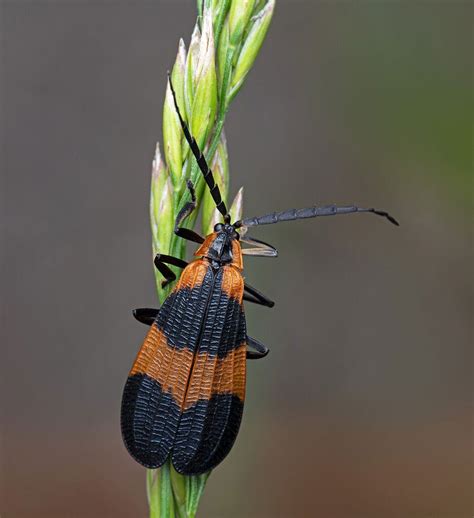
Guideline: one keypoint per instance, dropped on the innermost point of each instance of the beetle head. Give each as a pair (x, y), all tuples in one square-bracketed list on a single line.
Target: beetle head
[(222, 245)]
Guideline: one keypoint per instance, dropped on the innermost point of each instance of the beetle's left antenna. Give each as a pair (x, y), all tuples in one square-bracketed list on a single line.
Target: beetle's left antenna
[(206, 171)]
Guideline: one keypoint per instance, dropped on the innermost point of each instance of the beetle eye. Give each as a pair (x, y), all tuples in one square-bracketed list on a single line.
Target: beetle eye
[(218, 227)]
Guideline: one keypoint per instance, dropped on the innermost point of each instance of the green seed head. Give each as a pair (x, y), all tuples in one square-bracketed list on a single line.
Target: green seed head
[(172, 131), (258, 29), (237, 206), (239, 15), (190, 69), (161, 205), (222, 50), (204, 102)]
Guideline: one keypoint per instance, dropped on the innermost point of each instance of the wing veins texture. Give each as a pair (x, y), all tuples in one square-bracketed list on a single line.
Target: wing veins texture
[(184, 396)]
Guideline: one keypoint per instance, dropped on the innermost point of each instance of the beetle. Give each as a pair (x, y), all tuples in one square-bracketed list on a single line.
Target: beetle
[(184, 395)]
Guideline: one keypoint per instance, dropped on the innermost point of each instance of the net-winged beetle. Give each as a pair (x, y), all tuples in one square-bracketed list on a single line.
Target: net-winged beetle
[(184, 395)]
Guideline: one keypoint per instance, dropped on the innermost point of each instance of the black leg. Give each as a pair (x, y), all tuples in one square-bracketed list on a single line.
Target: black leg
[(249, 298), (188, 208), (260, 350), (189, 235), (253, 295), (259, 248), (161, 260), (145, 315)]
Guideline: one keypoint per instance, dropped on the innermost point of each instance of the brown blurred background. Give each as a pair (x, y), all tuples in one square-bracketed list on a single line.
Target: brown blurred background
[(363, 408)]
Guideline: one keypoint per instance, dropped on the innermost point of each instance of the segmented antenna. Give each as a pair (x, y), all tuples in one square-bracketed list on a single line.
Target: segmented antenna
[(310, 212), (201, 161)]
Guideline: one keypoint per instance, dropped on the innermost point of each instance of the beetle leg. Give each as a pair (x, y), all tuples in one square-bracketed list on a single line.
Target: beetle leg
[(259, 248), (187, 233), (253, 295), (145, 315), (260, 350), (249, 298), (161, 260)]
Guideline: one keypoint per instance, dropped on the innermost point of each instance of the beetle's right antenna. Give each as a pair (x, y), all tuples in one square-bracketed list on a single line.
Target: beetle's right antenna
[(310, 212), (207, 173)]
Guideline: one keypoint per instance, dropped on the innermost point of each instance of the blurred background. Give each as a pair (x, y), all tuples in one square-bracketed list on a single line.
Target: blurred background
[(363, 407)]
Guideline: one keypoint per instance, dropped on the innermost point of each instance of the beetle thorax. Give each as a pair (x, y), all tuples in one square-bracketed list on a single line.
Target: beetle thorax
[(222, 246)]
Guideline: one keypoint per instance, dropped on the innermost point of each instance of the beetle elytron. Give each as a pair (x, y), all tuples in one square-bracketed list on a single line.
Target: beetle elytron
[(184, 395)]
